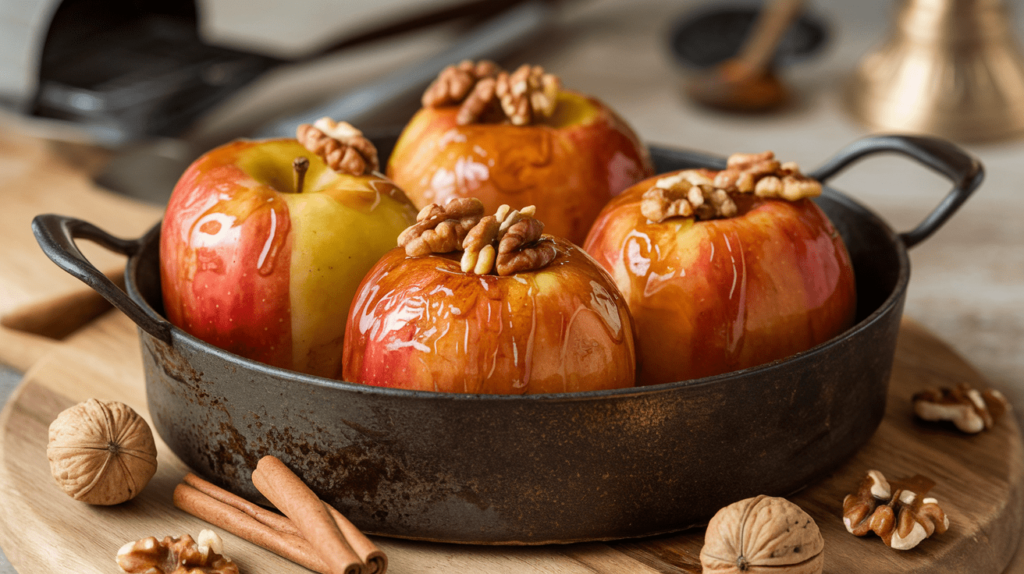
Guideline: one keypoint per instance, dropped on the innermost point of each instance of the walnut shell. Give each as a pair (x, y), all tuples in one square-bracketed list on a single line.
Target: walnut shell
[(101, 452), (763, 534)]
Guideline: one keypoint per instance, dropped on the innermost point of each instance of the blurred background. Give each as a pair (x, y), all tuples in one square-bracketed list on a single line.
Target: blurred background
[(103, 103)]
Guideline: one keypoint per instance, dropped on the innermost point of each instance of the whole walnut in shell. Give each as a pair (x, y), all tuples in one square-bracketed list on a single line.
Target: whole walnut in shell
[(101, 452), (763, 534)]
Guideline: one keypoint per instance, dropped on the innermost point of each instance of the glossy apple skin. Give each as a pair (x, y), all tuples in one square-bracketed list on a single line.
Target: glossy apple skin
[(420, 323), (253, 268), (569, 166), (715, 296)]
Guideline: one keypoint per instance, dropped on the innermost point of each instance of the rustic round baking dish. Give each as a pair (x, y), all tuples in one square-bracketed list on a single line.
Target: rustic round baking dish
[(536, 469)]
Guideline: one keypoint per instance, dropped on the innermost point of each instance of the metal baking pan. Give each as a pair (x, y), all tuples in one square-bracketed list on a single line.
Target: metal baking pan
[(537, 469)]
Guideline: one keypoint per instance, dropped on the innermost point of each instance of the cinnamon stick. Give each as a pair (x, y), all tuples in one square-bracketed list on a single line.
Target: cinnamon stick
[(308, 513), (271, 519), (226, 516), (375, 560)]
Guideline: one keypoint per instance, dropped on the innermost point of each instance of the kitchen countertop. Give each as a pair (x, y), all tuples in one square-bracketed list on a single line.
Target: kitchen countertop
[(967, 281)]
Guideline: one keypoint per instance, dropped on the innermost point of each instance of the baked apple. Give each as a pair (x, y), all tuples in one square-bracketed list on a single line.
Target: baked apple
[(487, 304), (517, 139), (264, 244), (725, 270)]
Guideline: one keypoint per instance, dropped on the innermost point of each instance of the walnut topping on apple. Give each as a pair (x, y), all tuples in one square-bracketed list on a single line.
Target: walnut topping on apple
[(441, 229), (455, 83), (527, 93), (519, 248), (342, 147), (486, 93), (704, 194), (763, 175), (686, 194), (507, 242)]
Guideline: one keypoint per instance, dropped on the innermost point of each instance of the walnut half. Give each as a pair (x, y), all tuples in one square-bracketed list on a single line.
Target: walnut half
[(181, 555), (686, 194), (484, 92), (971, 410), (441, 229), (763, 175), (508, 241), (342, 147), (902, 517), (454, 84), (528, 94), (703, 194)]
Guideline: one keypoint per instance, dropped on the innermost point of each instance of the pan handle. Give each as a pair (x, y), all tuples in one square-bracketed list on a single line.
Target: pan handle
[(959, 166), (56, 234)]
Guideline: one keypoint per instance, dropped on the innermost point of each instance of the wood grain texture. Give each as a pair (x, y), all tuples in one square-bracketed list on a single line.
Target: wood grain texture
[(980, 484), (21, 350), (36, 296)]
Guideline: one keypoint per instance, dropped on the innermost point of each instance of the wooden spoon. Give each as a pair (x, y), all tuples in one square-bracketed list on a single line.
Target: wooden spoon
[(746, 83)]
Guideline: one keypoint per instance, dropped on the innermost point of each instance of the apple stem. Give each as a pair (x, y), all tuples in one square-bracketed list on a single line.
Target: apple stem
[(300, 165)]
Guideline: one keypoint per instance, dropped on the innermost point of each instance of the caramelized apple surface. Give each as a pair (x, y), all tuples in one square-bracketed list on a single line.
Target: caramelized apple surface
[(421, 323), (720, 295), (569, 165), (250, 265)]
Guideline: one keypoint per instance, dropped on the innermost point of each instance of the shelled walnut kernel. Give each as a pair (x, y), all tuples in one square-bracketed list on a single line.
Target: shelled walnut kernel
[(508, 242), (971, 410), (901, 517), (484, 92), (704, 194), (342, 147), (181, 555)]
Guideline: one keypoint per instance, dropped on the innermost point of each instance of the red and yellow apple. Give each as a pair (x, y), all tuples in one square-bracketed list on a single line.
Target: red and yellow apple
[(256, 267), (719, 295), (568, 165), (421, 323)]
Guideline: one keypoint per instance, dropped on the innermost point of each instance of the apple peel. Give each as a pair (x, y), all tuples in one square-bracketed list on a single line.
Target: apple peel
[(729, 289)]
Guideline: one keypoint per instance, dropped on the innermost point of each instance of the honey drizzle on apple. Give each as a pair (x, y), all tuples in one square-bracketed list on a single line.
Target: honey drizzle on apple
[(203, 290), (231, 212), (656, 283), (406, 319), (530, 339), (266, 246), (739, 318), (643, 268), (521, 156)]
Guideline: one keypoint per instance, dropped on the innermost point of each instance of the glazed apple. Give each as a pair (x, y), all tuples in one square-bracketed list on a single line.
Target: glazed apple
[(517, 139), (472, 304), (725, 270), (264, 244)]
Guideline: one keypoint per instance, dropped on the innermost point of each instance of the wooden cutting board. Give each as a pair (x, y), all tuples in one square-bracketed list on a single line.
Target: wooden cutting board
[(980, 484), (36, 296)]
